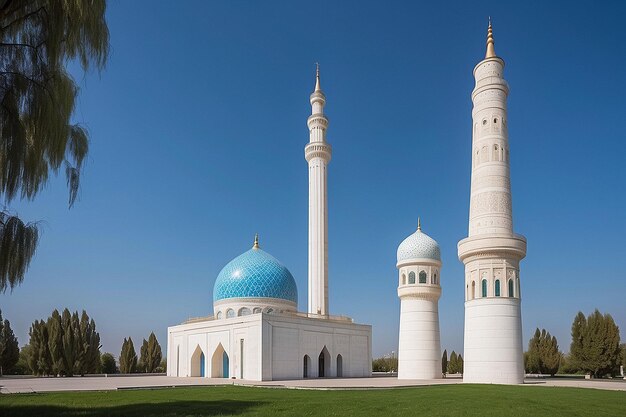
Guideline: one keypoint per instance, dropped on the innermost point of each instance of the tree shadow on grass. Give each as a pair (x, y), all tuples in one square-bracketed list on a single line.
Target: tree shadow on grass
[(165, 409)]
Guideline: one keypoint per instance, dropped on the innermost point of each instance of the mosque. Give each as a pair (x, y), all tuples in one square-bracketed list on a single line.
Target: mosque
[(257, 332)]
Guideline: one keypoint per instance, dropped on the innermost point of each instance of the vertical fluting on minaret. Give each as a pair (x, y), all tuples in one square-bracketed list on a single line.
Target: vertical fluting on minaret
[(492, 251), (317, 153)]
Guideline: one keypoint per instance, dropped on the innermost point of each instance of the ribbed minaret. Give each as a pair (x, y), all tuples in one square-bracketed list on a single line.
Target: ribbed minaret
[(492, 251), (317, 153)]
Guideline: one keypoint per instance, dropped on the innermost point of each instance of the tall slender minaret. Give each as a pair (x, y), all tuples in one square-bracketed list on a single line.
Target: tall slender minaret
[(492, 251), (317, 153)]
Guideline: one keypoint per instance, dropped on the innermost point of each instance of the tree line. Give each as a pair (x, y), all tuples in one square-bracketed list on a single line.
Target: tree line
[(67, 344), (594, 350)]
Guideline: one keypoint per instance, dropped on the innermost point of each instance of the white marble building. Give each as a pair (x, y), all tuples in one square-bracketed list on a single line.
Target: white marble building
[(492, 251), (256, 332), (419, 289)]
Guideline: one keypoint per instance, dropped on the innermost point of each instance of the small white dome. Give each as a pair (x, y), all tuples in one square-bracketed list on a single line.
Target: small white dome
[(419, 245)]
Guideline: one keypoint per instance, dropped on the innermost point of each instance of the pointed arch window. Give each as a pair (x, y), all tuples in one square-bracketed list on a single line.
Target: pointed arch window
[(497, 288), (484, 288), (473, 290), (403, 279), (511, 294), (422, 277), (411, 277)]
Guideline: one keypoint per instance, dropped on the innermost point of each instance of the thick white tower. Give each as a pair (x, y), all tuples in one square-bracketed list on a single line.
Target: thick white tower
[(492, 251), (419, 348), (317, 153)]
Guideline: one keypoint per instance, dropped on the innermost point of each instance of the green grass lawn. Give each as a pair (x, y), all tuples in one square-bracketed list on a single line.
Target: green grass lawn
[(444, 400)]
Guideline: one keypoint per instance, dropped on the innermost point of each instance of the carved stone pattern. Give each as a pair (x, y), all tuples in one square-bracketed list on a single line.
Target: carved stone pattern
[(491, 181), (491, 202)]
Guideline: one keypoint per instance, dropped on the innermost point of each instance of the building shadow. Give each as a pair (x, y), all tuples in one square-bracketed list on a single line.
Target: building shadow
[(161, 409)]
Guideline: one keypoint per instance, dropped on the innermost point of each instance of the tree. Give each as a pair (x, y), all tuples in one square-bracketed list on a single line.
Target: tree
[(128, 357), (550, 354), (150, 354), (543, 356), (453, 364), (533, 356), (37, 99), (624, 356), (595, 344), (444, 363), (460, 363), (55, 343), (39, 360), (576, 350), (9, 349), (108, 363), (64, 345)]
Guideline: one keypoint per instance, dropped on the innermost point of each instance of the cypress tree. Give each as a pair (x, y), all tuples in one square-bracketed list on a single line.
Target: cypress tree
[(128, 357), (68, 345), (444, 363), (533, 358), (595, 344), (576, 350), (551, 356), (453, 365), (55, 343), (9, 349), (39, 360), (459, 361), (153, 354)]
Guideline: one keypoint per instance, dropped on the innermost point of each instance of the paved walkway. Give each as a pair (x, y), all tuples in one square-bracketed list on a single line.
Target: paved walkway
[(100, 383)]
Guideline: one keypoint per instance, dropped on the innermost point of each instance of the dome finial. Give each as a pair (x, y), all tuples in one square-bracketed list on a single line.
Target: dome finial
[(491, 52), (256, 241), (317, 77), (419, 224)]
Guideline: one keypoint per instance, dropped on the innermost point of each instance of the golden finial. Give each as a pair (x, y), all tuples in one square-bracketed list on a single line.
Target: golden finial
[(256, 241), (491, 52), (317, 77), (419, 224)]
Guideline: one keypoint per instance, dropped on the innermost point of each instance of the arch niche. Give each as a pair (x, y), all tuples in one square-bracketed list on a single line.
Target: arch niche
[(306, 365), (323, 364), (219, 363), (339, 366), (197, 362)]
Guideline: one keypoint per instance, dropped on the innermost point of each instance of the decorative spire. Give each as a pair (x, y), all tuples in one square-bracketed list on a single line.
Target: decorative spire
[(256, 241), (317, 77), (491, 52), (419, 224)]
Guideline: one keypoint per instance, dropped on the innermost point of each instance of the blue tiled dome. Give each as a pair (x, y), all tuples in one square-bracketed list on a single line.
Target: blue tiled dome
[(255, 274), (419, 245)]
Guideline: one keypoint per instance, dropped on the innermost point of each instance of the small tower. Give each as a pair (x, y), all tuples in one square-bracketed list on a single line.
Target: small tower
[(419, 289), (492, 251), (317, 153)]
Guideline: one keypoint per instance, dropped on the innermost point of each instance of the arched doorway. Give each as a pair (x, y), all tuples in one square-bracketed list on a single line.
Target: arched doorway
[(219, 363), (197, 362), (323, 364), (306, 364), (339, 366)]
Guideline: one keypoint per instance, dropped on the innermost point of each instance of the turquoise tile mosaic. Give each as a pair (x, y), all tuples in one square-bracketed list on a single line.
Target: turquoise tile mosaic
[(418, 245), (255, 274)]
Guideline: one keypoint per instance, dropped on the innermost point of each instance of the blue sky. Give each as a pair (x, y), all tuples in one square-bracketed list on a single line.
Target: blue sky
[(198, 126)]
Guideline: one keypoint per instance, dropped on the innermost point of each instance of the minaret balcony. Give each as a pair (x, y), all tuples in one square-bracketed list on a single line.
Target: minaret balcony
[(317, 150), (317, 119)]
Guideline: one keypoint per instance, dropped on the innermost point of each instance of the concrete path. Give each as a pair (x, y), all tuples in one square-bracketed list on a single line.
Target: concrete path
[(100, 383)]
